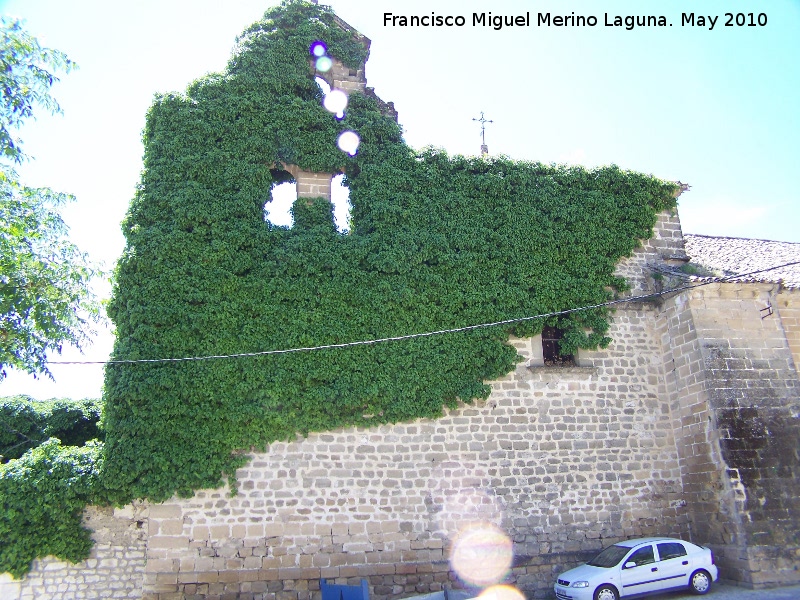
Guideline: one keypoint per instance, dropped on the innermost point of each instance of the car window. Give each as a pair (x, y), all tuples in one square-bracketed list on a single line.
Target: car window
[(609, 557), (667, 550), (643, 556)]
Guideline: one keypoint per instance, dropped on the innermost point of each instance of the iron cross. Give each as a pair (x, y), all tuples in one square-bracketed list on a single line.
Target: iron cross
[(483, 122)]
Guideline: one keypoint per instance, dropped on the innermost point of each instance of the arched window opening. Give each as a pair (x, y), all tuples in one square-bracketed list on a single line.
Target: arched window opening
[(340, 198), (323, 85), (277, 209)]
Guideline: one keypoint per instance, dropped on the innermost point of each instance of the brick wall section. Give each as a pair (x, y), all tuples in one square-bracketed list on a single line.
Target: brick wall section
[(310, 184), (754, 395), (114, 569), (665, 247), (565, 461), (343, 78), (313, 185), (710, 497), (346, 79), (340, 76)]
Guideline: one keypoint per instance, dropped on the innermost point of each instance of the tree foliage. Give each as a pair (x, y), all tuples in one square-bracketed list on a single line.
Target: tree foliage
[(437, 242), (45, 300), (27, 72), (26, 423)]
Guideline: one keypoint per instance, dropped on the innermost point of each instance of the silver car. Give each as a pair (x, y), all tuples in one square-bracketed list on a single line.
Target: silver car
[(637, 567)]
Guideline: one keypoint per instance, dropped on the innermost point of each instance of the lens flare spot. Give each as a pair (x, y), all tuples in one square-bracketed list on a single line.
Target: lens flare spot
[(348, 142), (481, 554), (324, 64), (501, 592), (335, 101), (318, 48)]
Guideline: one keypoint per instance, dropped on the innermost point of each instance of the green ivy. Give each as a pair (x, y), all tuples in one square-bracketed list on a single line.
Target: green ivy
[(437, 242), (43, 496), (25, 423), (44, 485)]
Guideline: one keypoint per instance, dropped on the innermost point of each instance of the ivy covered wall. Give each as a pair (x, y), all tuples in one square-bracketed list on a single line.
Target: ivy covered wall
[(436, 242)]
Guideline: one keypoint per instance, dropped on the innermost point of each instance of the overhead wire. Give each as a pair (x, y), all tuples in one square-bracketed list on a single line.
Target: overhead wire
[(410, 336)]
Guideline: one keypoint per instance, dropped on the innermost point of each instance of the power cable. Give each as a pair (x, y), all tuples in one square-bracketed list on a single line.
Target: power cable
[(429, 333)]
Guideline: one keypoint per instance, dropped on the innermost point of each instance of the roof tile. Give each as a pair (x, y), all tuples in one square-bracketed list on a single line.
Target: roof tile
[(733, 256)]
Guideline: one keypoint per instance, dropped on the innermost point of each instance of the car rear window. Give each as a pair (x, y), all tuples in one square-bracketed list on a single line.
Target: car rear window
[(643, 556), (667, 550)]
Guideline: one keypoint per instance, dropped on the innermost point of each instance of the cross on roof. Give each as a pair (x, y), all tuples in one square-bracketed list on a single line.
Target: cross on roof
[(483, 120)]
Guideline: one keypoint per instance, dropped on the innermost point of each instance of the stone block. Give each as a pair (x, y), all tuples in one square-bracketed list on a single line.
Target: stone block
[(162, 566), (167, 542), (169, 526), (165, 511), (274, 529), (228, 577)]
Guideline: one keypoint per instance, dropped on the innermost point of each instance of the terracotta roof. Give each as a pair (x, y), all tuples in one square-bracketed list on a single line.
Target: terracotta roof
[(730, 256)]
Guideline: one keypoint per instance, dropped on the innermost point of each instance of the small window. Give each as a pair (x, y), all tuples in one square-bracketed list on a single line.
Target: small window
[(669, 550), (643, 556), (340, 197), (278, 207), (551, 351), (323, 85)]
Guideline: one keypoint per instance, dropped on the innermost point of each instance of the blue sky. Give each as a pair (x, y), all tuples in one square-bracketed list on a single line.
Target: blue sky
[(717, 108)]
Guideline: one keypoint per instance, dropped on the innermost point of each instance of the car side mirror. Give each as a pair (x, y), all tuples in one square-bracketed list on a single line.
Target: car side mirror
[(630, 565)]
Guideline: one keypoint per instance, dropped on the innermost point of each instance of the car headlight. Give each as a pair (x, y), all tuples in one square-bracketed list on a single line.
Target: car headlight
[(580, 584)]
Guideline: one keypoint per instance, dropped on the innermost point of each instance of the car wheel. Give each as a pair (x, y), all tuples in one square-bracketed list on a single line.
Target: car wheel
[(700, 582), (606, 592)]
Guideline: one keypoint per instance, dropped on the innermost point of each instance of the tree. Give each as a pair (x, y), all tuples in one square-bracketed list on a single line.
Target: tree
[(45, 298)]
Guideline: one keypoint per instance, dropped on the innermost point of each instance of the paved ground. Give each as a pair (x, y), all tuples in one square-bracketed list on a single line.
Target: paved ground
[(723, 591)]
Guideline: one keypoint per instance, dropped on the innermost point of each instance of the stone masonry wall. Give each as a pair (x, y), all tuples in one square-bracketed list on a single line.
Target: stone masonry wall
[(665, 247), (564, 461), (788, 307), (685, 425), (115, 568), (754, 395), (709, 495)]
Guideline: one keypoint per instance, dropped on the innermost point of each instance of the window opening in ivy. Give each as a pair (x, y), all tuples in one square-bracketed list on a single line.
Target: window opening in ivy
[(340, 198), (323, 85), (277, 209), (551, 351)]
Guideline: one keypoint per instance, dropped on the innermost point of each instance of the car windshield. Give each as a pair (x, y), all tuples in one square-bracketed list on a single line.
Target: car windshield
[(609, 557)]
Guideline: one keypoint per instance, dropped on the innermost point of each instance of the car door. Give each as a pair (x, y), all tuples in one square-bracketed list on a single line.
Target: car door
[(673, 564), (639, 571)]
